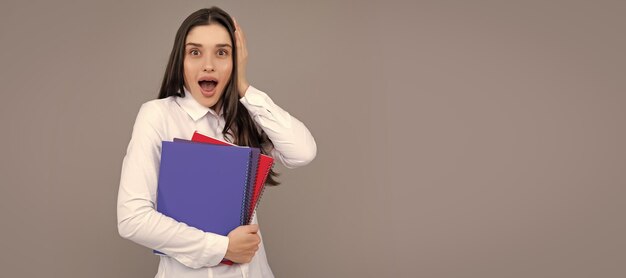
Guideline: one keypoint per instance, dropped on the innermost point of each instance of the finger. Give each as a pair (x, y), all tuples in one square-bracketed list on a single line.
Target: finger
[(239, 31), (238, 36), (253, 228), (241, 45), (243, 35), (236, 31)]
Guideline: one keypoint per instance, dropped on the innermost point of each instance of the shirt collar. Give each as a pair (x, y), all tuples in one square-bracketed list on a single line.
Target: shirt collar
[(193, 108)]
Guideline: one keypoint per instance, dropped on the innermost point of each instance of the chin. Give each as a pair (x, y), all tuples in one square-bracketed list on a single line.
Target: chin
[(211, 105), (204, 100), (208, 102)]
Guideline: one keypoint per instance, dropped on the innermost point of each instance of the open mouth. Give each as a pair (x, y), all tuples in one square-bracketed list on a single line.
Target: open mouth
[(207, 85)]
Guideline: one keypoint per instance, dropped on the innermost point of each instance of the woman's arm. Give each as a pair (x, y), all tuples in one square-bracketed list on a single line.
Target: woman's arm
[(294, 145), (137, 218)]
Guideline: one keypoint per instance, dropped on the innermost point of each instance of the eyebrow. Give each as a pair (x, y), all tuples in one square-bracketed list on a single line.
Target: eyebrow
[(200, 45)]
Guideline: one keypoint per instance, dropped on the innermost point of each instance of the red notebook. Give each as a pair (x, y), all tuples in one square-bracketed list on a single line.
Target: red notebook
[(263, 170), (265, 165)]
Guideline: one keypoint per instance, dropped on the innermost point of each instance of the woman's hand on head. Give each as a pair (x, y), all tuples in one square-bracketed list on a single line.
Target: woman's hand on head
[(242, 60), (243, 242)]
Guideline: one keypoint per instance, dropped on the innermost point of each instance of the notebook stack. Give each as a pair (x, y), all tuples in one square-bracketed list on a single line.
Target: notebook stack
[(210, 184)]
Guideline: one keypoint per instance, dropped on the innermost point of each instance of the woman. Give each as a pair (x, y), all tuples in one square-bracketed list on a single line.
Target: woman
[(204, 89)]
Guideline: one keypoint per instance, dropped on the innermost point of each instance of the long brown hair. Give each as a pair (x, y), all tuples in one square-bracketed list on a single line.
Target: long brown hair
[(239, 127)]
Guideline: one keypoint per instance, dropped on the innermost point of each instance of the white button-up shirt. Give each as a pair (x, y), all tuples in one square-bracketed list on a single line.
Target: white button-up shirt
[(190, 251)]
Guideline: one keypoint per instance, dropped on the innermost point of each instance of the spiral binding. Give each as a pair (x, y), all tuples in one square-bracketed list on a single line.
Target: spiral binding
[(261, 193), (242, 217), (250, 192)]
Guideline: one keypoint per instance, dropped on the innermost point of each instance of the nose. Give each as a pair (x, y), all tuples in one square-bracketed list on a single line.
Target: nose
[(208, 66)]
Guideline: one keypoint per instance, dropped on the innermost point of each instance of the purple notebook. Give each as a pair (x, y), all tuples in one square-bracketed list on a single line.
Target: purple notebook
[(252, 172), (204, 185)]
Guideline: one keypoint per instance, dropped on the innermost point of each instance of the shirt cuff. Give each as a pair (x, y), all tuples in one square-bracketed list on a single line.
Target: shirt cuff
[(216, 252), (259, 104), (254, 97)]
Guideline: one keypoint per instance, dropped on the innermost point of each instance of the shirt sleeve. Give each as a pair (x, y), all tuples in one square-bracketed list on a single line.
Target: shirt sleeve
[(137, 219), (294, 145)]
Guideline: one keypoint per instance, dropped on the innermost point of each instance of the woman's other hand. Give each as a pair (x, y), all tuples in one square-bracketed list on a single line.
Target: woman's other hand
[(242, 60), (243, 243)]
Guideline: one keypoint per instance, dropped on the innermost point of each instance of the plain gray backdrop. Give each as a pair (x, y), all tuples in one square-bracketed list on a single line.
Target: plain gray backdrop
[(455, 138)]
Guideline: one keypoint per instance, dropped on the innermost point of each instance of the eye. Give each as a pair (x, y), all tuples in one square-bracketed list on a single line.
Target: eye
[(222, 52), (194, 52)]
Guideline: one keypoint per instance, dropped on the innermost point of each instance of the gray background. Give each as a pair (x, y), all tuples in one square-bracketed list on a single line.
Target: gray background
[(455, 138)]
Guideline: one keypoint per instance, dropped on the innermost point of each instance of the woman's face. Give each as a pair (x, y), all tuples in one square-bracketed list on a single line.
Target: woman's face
[(208, 63)]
